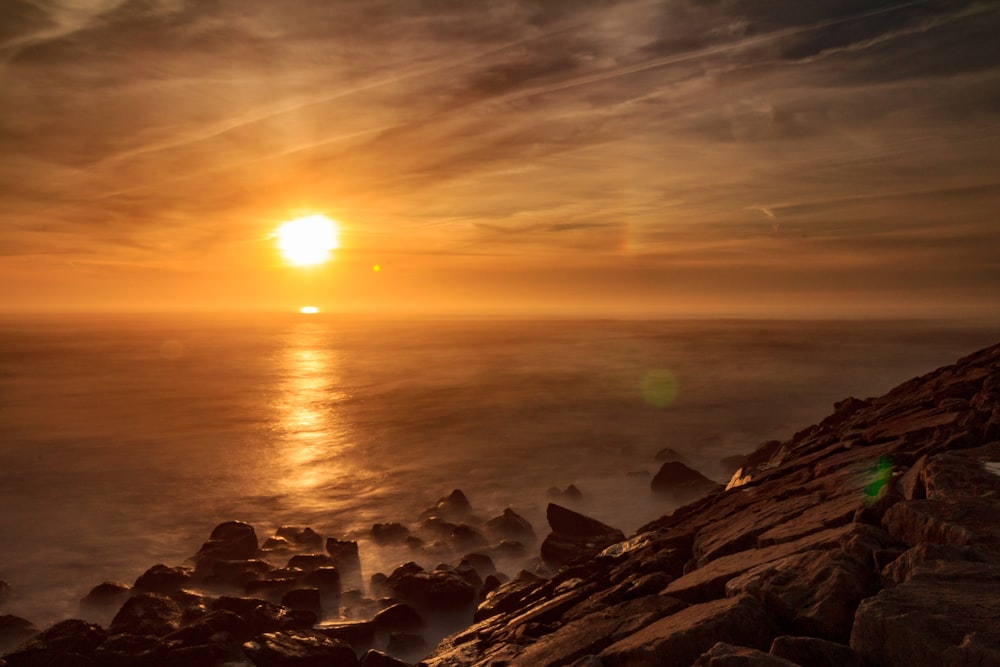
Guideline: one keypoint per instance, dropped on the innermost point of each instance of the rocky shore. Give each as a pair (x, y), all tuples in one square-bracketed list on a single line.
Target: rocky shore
[(869, 539)]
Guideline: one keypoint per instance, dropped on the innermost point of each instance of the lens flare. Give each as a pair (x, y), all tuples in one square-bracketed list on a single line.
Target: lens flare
[(659, 387), (308, 241), (308, 310)]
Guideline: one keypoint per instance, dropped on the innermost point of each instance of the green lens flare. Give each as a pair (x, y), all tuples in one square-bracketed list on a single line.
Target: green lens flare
[(659, 387)]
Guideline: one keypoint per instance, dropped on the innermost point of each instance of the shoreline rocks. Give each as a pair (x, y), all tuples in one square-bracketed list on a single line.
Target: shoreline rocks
[(869, 539)]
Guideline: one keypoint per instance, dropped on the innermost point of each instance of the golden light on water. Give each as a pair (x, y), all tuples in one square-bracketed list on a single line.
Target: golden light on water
[(309, 240), (308, 310)]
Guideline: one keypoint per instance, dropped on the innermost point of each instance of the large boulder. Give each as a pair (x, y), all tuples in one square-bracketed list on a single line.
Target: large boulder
[(232, 540), (346, 559), (434, 592), (575, 536), (148, 614), (453, 507), (163, 579), (105, 596), (14, 630), (944, 614), (682, 483), (814, 652), (727, 655), (510, 526)]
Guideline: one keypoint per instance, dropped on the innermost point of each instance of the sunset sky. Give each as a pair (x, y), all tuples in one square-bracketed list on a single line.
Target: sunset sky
[(649, 158)]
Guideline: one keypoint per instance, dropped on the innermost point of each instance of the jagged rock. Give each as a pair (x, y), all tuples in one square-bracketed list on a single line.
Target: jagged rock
[(681, 483), (453, 507), (107, 595), (680, 638), (327, 581), (163, 579), (813, 652), (271, 588), (510, 596), (70, 642), (924, 556), (14, 630), (510, 526), (944, 608), (389, 533), (373, 658), (299, 648), (127, 650), (811, 593), (347, 560), (575, 536), (147, 614), (727, 655), (964, 522)]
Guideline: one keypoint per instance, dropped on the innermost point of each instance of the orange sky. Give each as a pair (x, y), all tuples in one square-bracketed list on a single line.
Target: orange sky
[(646, 158)]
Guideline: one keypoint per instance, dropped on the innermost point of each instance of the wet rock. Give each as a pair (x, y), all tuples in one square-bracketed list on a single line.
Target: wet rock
[(463, 537), (104, 596), (575, 536), (389, 533), (510, 596), (453, 507), (433, 592), (510, 526), (813, 652), (682, 637), (481, 563), (727, 655), (71, 642), (373, 658), (271, 588), (327, 581), (14, 630), (232, 540), (163, 579), (125, 650), (309, 562), (682, 483), (263, 616), (147, 614), (399, 617), (220, 626), (303, 599), (299, 648)]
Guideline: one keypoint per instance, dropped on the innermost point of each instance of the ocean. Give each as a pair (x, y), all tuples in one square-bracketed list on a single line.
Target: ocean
[(125, 440)]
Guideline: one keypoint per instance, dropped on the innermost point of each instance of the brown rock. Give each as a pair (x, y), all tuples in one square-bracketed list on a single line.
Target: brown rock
[(373, 658), (951, 609), (360, 635), (105, 596), (813, 652), (575, 536), (70, 642), (965, 521), (680, 638), (709, 582), (682, 483), (14, 630), (303, 648), (163, 579), (812, 592), (727, 655), (592, 633), (510, 526), (346, 559), (148, 614)]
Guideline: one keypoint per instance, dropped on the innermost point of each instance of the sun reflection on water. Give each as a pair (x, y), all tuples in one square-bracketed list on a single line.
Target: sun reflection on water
[(315, 438)]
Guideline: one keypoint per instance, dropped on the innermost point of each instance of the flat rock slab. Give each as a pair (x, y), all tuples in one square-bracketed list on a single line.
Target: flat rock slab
[(709, 582), (679, 639), (945, 615)]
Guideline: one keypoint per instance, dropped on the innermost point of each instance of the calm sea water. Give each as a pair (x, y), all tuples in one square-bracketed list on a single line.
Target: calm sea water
[(124, 441)]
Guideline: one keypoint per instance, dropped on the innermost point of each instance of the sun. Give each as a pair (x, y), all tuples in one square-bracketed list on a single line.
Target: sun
[(307, 241)]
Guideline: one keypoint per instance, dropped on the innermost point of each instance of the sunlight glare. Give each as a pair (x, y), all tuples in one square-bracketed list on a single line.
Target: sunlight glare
[(308, 310), (307, 241)]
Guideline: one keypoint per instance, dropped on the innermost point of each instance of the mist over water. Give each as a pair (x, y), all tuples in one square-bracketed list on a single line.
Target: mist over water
[(124, 441)]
